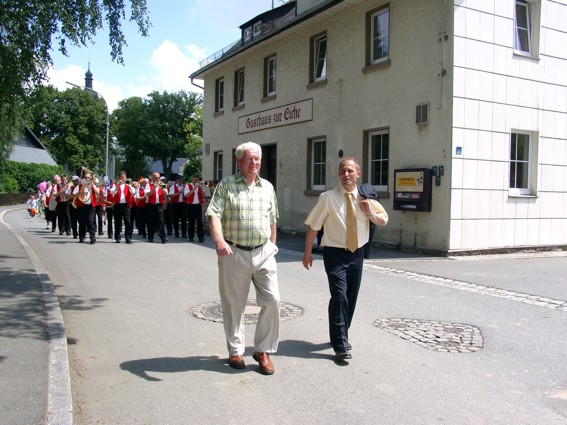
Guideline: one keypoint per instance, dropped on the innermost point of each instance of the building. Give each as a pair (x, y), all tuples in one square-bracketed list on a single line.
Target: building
[(456, 110)]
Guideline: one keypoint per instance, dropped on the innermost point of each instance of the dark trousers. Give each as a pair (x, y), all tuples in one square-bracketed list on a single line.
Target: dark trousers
[(63, 217), (74, 213), (140, 214), (179, 217), (99, 212), (168, 217), (122, 213), (87, 222), (109, 221), (156, 221), (196, 215), (344, 272)]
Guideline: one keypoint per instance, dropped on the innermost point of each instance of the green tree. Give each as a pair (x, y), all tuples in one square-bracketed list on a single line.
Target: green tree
[(27, 30), (72, 126), (161, 127)]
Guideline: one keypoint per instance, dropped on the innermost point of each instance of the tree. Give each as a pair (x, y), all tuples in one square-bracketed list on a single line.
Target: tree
[(27, 30), (160, 127), (72, 126)]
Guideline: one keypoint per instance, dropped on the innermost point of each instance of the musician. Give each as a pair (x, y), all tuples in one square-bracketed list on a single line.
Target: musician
[(194, 194), (73, 212), (50, 215), (156, 195), (87, 199), (179, 210), (123, 198), (167, 212), (110, 210), (62, 210), (104, 205), (139, 209)]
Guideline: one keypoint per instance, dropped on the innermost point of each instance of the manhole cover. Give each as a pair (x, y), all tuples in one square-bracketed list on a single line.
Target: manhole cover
[(435, 336), (213, 311)]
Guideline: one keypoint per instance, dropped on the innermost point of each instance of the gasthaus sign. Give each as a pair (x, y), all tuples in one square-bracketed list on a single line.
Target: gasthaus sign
[(292, 113)]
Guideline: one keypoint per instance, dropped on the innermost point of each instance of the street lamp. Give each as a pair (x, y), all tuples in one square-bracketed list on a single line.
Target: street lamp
[(107, 121)]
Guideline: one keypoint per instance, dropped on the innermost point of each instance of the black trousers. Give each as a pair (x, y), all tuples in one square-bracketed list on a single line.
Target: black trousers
[(156, 221), (110, 221), (74, 213), (87, 222), (122, 213), (99, 212), (63, 217), (179, 217), (344, 272), (196, 215), (140, 219)]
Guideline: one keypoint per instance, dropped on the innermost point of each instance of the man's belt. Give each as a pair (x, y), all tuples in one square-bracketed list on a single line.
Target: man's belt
[(245, 248)]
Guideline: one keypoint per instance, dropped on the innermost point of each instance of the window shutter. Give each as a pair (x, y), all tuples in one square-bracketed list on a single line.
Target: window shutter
[(422, 113)]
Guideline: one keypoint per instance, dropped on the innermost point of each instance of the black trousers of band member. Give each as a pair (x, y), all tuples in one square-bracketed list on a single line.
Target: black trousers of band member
[(195, 212), (344, 272), (87, 222), (156, 221), (122, 213), (74, 213), (168, 217), (99, 213), (63, 217), (140, 218), (179, 217), (110, 221)]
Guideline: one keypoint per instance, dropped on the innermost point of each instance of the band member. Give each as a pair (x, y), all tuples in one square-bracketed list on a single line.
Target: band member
[(104, 204), (139, 208), (87, 194), (123, 198), (194, 194), (73, 211), (179, 210), (110, 211), (62, 209), (167, 212), (156, 195), (50, 215)]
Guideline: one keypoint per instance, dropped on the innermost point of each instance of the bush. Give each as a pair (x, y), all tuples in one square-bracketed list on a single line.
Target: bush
[(17, 177)]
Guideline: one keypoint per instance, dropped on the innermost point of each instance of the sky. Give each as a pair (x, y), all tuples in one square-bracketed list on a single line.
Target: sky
[(183, 33)]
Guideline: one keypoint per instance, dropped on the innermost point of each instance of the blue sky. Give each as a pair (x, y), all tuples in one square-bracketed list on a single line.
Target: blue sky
[(183, 33)]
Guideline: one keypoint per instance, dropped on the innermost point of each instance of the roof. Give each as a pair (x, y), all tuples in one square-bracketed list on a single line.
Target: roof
[(282, 24), (29, 150)]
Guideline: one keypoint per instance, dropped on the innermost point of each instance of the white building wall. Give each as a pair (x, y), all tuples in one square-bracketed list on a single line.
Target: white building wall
[(497, 91)]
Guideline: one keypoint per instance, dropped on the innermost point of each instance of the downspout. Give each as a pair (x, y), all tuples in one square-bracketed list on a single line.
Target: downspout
[(197, 85)]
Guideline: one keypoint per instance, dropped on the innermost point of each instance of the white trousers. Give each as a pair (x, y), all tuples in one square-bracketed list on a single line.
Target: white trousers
[(236, 271)]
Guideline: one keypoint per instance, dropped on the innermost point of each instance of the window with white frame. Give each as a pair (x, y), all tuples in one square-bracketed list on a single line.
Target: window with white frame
[(247, 34), (379, 159), (319, 58), (219, 95), (318, 163), (239, 87), (270, 74), (218, 165), (523, 162), (257, 29), (379, 35), (527, 27)]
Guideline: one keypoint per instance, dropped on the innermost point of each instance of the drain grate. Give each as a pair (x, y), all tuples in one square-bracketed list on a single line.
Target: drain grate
[(213, 311), (435, 336)]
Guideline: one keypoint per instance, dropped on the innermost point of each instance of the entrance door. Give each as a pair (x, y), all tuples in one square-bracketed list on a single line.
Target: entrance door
[(269, 169)]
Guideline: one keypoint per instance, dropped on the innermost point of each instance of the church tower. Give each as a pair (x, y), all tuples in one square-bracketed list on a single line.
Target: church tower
[(89, 78)]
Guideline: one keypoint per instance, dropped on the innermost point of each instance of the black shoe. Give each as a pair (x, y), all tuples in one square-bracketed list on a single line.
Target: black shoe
[(201, 240), (150, 240), (129, 242), (164, 240), (93, 240), (341, 356), (100, 233), (75, 236), (191, 240), (117, 240), (60, 233), (81, 240), (68, 233), (52, 230)]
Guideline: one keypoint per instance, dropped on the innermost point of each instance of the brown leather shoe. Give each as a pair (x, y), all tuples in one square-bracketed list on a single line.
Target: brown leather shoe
[(263, 359), (236, 362)]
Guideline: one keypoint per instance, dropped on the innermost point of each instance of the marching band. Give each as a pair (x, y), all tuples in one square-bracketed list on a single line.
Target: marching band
[(83, 205)]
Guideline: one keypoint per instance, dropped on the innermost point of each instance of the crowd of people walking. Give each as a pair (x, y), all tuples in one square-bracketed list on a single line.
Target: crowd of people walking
[(84, 207)]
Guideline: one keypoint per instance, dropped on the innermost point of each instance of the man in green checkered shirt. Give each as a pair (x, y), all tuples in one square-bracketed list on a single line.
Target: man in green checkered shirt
[(242, 215)]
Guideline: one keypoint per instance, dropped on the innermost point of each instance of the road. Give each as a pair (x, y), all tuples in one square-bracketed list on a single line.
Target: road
[(474, 340)]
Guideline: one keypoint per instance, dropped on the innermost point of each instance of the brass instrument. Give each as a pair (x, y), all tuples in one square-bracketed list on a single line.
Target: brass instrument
[(92, 180)]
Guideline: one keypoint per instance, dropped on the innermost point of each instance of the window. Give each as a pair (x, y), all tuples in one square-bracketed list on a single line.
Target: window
[(270, 73), (239, 87), (247, 34), (523, 157), (378, 156), (379, 36), (257, 28), (218, 165), (318, 163), (219, 95), (319, 58), (527, 27)]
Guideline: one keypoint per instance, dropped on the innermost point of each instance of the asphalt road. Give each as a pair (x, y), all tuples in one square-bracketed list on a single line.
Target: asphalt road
[(475, 340)]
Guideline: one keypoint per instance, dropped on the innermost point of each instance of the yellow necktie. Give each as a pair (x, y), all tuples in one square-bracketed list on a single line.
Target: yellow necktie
[(352, 236)]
